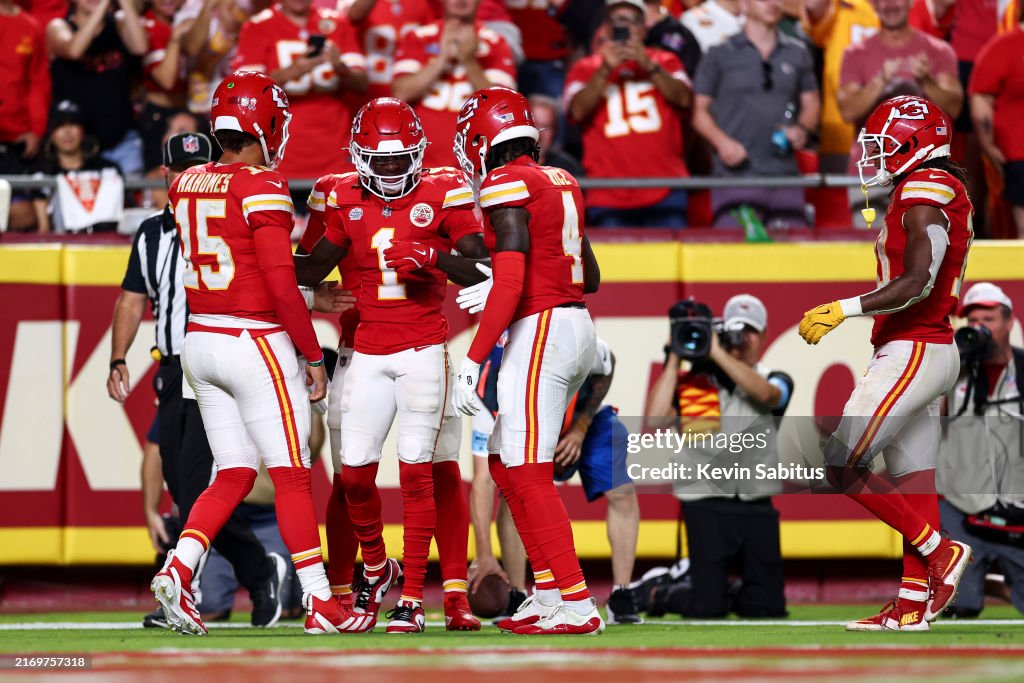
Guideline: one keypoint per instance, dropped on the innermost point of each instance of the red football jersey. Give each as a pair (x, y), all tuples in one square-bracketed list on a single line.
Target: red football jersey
[(218, 208), (315, 228), (554, 264), (379, 35), (634, 133), (439, 108), (24, 77), (321, 120), (398, 312), (159, 34), (544, 37), (928, 319)]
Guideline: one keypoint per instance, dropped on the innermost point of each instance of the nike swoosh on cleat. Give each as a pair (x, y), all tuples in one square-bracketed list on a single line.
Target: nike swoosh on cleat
[(956, 555)]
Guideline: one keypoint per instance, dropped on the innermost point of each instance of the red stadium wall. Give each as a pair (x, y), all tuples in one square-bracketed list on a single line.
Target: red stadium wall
[(69, 456)]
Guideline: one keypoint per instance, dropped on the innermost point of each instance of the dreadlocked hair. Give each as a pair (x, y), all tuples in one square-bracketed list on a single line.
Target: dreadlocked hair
[(949, 166), (504, 152)]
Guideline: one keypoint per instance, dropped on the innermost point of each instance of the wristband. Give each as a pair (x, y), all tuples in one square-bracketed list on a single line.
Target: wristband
[(117, 361), (307, 296), (315, 363), (851, 307)]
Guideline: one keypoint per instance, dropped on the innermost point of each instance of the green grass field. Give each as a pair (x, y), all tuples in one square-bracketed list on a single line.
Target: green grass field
[(811, 644)]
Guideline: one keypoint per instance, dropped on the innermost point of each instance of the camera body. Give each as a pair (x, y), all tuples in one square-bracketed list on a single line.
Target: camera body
[(974, 344), (691, 327), (620, 34)]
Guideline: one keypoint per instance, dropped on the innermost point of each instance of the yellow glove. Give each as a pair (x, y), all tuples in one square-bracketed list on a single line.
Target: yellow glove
[(820, 321)]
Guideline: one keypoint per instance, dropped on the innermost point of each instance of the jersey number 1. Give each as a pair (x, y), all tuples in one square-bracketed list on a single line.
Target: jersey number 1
[(389, 288), (203, 244)]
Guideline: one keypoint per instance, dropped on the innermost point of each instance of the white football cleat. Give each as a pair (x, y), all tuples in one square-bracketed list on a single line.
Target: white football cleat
[(565, 621), (530, 612), (175, 596)]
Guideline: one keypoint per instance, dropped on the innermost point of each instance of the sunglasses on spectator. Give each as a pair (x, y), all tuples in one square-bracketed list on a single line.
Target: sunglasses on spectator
[(625, 18), (766, 76)]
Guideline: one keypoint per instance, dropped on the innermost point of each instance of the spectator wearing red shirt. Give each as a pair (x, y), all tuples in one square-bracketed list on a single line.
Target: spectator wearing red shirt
[(43, 11), (24, 101), (898, 56), (163, 77), (380, 26), (997, 107), (438, 66), (313, 54), (629, 99), (545, 45)]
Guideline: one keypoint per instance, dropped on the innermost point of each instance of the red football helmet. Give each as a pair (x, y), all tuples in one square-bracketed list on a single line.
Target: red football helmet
[(387, 147), (253, 103), (488, 118), (899, 134)]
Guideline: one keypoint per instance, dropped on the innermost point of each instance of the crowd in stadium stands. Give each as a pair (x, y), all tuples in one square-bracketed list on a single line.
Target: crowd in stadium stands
[(627, 88)]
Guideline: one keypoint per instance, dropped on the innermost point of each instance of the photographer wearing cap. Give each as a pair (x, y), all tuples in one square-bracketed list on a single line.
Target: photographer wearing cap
[(725, 389), (981, 464)]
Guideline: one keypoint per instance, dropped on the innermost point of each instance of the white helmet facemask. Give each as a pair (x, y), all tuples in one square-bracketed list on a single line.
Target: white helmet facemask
[(388, 186)]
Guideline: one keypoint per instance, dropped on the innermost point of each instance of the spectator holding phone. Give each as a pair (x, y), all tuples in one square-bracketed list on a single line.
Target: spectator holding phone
[(313, 54), (629, 99)]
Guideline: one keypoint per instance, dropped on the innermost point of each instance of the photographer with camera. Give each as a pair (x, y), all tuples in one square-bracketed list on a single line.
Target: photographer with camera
[(981, 465), (725, 387)]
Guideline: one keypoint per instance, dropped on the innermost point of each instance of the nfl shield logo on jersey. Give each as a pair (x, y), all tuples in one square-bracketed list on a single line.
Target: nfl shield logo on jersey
[(421, 215), (190, 144)]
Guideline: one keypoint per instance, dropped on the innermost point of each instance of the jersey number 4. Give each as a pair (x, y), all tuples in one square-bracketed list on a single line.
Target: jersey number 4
[(572, 240), (198, 245)]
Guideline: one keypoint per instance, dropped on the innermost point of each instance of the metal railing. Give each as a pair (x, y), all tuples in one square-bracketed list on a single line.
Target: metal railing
[(811, 180)]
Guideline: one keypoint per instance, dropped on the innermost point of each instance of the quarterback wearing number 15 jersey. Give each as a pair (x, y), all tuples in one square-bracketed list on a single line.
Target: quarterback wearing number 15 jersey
[(554, 260)]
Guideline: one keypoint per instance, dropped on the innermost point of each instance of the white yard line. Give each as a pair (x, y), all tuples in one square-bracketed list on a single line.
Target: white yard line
[(135, 625)]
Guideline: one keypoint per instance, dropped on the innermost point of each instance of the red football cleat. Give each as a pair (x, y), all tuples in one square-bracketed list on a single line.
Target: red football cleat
[(564, 621), (174, 593), (367, 602), (946, 566), (407, 617), (326, 616), (530, 612), (897, 615), (457, 615)]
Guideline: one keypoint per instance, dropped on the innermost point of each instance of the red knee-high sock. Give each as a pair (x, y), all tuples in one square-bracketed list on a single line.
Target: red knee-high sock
[(363, 502), (918, 489), (882, 499), (211, 512), (452, 532), (296, 518), (549, 522), (419, 518), (543, 579), (342, 544)]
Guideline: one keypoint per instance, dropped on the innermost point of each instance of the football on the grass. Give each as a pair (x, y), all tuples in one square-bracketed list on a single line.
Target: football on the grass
[(490, 599)]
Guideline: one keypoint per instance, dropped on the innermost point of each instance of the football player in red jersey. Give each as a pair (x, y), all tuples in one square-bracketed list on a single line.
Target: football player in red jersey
[(313, 53), (543, 265), (400, 364), (921, 255), (247, 319)]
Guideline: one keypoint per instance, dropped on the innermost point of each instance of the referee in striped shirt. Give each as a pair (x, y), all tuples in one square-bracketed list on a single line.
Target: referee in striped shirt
[(155, 275)]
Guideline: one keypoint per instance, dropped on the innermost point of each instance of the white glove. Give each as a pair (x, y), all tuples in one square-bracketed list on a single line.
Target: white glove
[(474, 297), (464, 396)]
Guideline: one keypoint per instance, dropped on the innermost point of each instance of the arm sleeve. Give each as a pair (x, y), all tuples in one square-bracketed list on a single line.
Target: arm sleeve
[(274, 256), (316, 225), (785, 384), (133, 280), (509, 272)]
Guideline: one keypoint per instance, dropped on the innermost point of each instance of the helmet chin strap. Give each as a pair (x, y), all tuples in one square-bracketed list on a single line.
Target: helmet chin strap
[(263, 144)]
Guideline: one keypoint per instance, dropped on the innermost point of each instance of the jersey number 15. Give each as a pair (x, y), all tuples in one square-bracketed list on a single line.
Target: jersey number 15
[(207, 257)]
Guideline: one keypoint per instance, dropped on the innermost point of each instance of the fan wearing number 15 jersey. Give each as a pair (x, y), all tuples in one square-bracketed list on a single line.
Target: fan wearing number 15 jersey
[(634, 130), (542, 267)]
